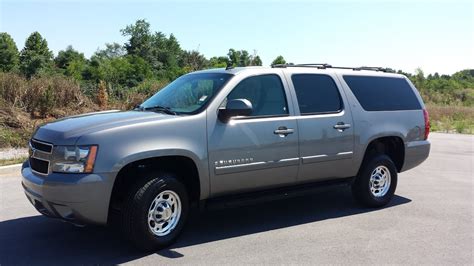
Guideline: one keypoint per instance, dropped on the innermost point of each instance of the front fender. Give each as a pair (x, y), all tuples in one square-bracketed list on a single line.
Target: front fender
[(180, 136), (201, 164)]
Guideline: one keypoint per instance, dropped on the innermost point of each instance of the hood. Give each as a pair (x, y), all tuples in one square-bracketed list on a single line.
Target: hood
[(67, 130)]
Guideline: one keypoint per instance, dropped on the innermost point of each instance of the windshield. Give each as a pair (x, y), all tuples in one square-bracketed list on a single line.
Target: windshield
[(187, 94)]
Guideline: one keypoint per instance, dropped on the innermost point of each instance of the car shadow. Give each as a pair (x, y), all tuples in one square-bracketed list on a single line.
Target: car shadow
[(40, 240)]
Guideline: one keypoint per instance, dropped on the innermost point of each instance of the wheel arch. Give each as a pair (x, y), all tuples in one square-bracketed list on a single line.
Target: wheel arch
[(135, 167), (391, 145)]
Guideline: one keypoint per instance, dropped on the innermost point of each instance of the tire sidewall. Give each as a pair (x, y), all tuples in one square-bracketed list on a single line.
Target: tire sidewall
[(141, 228), (364, 179)]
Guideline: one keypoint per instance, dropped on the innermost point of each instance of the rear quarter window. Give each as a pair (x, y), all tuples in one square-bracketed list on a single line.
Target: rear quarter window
[(383, 93)]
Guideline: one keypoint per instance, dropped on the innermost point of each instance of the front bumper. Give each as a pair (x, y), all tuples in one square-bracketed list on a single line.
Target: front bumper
[(77, 198)]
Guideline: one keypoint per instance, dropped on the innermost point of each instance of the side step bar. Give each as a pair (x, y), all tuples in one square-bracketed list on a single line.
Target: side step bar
[(250, 198)]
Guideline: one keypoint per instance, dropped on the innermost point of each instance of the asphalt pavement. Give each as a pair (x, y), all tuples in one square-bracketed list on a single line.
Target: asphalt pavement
[(429, 221)]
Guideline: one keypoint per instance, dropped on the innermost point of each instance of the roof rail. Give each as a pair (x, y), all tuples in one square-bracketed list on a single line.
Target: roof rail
[(317, 65), (324, 66)]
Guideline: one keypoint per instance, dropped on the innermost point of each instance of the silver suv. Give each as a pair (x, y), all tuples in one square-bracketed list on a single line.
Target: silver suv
[(227, 136)]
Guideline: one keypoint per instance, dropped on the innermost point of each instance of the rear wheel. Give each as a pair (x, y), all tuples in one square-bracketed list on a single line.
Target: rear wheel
[(376, 182), (155, 212)]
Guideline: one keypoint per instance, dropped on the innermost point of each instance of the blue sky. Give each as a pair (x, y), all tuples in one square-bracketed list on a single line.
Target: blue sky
[(437, 36)]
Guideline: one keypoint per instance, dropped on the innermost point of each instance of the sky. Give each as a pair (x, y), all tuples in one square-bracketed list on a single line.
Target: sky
[(436, 36)]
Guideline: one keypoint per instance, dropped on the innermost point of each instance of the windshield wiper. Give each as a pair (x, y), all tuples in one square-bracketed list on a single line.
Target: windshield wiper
[(158, 108)]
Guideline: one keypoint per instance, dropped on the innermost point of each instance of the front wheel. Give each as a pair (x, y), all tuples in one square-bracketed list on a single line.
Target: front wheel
[(156, 212), (376, 182)]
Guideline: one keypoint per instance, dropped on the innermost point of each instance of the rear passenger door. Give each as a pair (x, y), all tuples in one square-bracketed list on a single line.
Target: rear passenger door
[(326, 133)]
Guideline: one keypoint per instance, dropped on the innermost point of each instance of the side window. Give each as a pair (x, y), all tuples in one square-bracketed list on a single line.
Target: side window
[(383, 93), (266, 94), (316, 93)]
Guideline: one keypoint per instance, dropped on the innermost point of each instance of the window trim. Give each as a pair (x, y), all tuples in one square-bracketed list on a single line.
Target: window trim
[(258, 117), (319, 113), (261, 116)]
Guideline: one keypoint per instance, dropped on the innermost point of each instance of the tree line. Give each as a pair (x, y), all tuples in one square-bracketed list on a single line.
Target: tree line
[(148, 58), (145, 55)]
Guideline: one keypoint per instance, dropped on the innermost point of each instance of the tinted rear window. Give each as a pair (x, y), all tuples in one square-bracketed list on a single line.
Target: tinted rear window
[(383, 93), (316, 93)]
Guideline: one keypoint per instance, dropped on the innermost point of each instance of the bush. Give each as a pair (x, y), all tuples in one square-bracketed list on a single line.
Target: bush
[(41, 95), (46, 102), (451, 118), (140, 93), (13, 138), (13, 88)]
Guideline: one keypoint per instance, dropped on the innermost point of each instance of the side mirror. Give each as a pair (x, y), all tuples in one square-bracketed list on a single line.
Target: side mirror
[(236, 107)]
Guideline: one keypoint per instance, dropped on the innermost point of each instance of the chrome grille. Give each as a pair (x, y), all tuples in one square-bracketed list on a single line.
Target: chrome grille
[(39, 166), (40, 156), (41, 146)]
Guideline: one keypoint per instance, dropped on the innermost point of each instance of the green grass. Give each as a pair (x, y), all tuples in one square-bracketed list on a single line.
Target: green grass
[(4, 162), (13, 137)]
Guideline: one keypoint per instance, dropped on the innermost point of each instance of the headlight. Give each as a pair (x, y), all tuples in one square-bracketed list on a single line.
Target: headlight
[(74, 159)]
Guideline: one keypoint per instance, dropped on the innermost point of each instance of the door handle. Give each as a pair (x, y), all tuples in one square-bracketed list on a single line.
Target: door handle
[(341, 126), (283, 131)]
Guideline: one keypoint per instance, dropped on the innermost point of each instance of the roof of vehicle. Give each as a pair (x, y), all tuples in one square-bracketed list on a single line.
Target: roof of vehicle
[(307, 69)]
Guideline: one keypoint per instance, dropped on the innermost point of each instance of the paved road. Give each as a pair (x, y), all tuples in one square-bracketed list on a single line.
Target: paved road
[(430, 221)]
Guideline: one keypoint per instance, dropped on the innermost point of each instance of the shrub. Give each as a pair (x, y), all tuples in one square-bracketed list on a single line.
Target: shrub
[(142, 91), (46, 102), (460, 126), (12, 88), (13, 138), (41, 95)]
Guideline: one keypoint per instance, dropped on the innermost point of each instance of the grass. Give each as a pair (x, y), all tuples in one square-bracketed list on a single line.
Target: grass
[(10, 137), (4, 162)]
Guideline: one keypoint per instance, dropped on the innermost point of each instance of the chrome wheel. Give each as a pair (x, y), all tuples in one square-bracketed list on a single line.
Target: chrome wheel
[(164, 213), (380, 181)]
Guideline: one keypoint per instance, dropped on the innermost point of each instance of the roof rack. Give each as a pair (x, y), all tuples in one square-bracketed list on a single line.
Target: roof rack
[(324, 66)]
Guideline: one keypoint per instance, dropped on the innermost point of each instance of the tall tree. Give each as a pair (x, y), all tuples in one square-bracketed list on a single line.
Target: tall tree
[(140, 39), (419, 77), (35, 56), (71, 62), (279, 60), (162, 53), (166, 55), (193, 60), (242, 58), (255, 59), (234, 57), (8, 53), (112, 50), (65, 57)]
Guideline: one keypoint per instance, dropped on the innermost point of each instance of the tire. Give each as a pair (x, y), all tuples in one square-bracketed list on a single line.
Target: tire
[(151, 195), (375, 193)]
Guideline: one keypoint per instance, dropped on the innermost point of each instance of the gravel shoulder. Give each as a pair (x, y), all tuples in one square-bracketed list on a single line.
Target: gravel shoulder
[(13, 153)]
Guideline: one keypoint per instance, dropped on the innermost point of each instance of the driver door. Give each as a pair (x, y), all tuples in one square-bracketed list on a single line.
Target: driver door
[(257, 151)]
